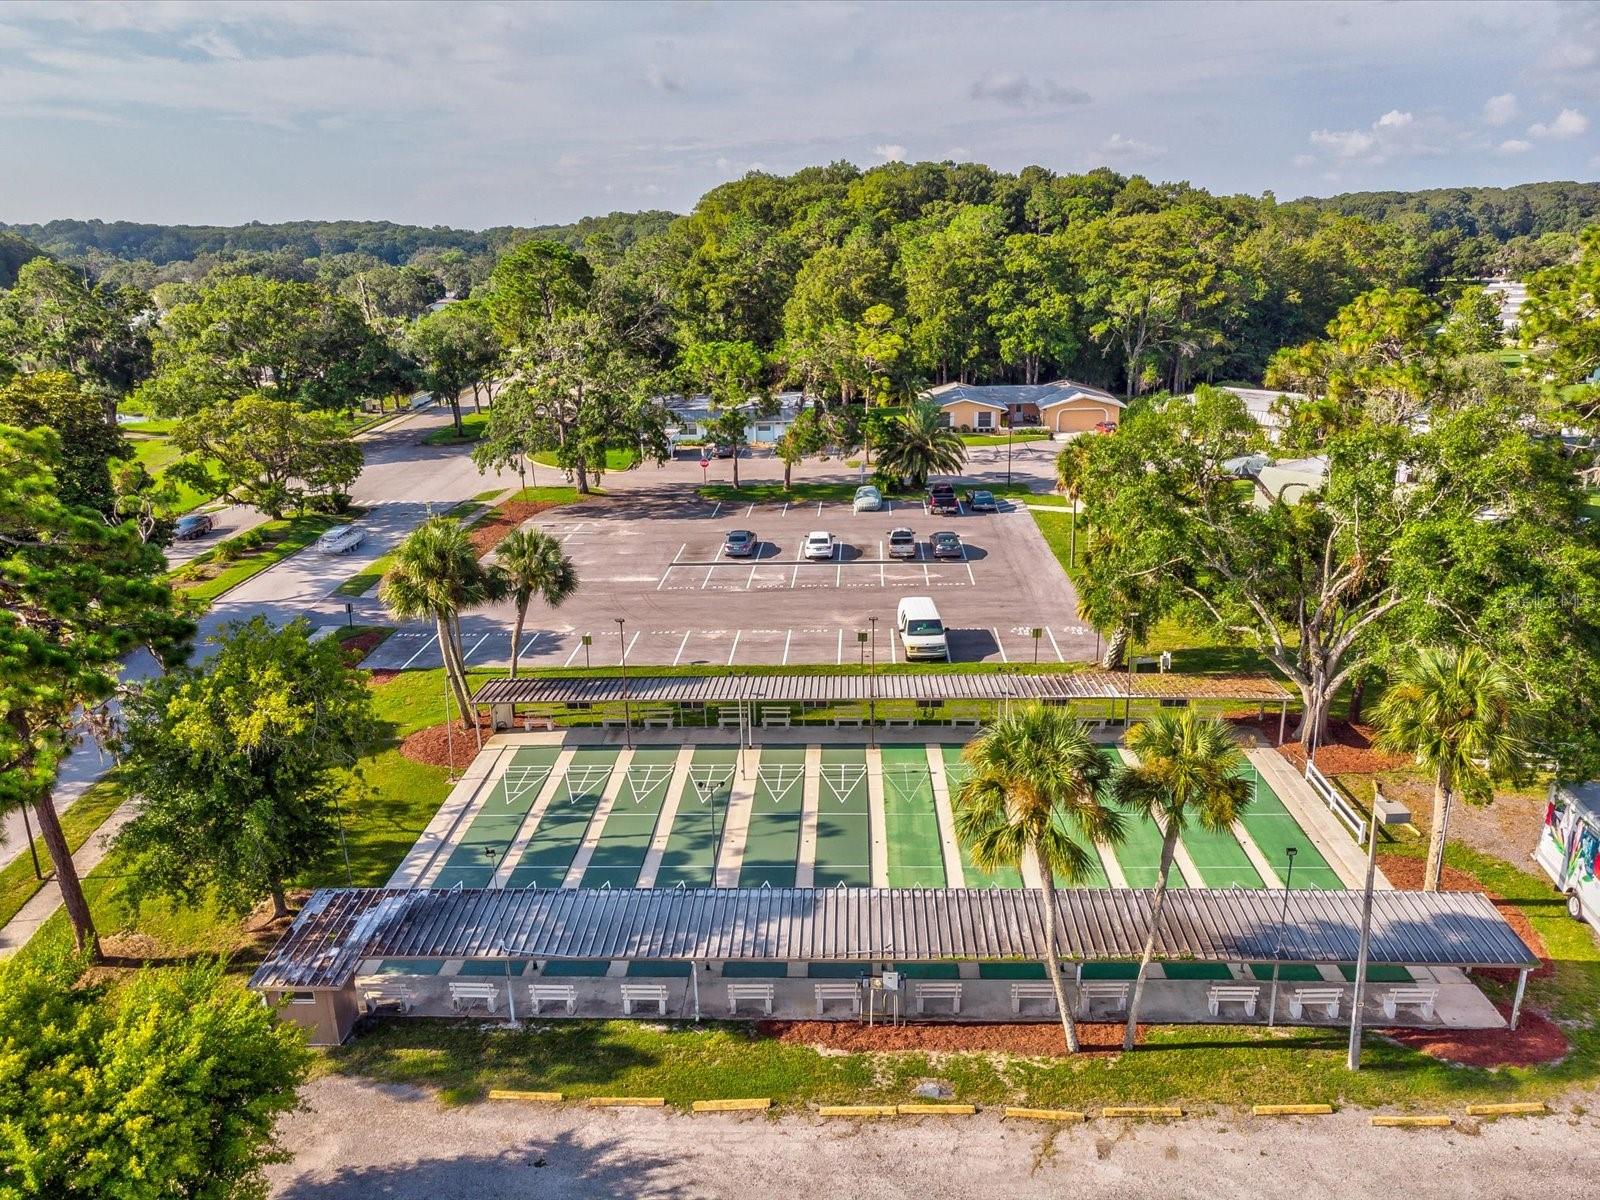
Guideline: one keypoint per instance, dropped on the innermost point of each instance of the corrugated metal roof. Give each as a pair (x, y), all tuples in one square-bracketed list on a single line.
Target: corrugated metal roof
[(841, 687), (339, 928)]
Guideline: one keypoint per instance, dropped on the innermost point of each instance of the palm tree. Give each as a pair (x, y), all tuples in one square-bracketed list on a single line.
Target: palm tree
[(436, 574), (920, 444), (1464, 718), (1072, 466), (534, 564), (1188, 771), (1033, 795)]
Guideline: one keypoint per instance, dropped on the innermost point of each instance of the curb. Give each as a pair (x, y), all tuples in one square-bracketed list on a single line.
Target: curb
[(730, 1105), (937, 1110), (1428, 1122), (1535, 1108), (1142, 1111), (509, 1094), (625, 1102), (1045, 1114), (857, 1110), (1292, 1110)]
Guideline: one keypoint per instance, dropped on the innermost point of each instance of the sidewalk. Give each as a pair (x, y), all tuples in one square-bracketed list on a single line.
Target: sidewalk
[(15, 934)]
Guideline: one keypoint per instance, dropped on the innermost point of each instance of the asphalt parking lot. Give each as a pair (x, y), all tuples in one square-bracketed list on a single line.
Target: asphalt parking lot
[(658, 564)]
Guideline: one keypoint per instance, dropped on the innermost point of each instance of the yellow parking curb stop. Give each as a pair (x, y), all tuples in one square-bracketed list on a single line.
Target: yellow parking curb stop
[(731, 1105)]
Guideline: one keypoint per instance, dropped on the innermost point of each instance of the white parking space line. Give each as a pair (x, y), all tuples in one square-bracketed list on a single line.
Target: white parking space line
[(880, 564), (819, 508), (418, 651), (527, 646), (578, 645), (716, 510), (467, 657), (786, 638), (786, 508), (752, 577), (998, 644), (710, 571), (751, 510), (794, 574), (631, 641), (1049, 633), (971, 578), (681, 645), (734, 649), (927, 579), (839, 658)]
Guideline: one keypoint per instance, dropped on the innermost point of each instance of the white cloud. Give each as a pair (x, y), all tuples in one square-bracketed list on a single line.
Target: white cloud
[(1018, 91), (215, 44), (1515, 146), (1304, 160), (1127, 149), (1348, 143), (890, 152), (1396, 134), (1395, 119), (1497, 110), (658, 78), (1568, 123)]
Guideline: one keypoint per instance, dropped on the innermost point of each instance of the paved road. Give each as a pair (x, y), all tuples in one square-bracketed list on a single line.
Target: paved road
[(357, 1140)]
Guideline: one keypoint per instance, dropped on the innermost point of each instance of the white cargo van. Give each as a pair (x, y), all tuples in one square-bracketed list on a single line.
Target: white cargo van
[(1569, 845), (921, 631)]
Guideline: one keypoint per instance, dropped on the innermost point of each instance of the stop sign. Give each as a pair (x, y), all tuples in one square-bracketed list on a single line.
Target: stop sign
[(704, 463)]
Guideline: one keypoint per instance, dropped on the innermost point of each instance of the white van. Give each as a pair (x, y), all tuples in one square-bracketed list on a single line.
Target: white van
[(921, 631), (1569, 846)]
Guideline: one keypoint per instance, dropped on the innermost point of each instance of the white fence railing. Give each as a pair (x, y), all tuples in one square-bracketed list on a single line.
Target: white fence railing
[(1337, 804)]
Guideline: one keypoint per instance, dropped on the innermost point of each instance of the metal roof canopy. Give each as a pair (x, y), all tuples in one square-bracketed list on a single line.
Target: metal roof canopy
[(338, 928), (835, 687)]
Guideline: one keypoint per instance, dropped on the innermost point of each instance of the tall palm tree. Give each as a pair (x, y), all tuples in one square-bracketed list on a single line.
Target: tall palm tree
[(920, 444), (1464, 718), (1072, 466), (1033, 795), (534, 564), (1188, 772), (436, 574)]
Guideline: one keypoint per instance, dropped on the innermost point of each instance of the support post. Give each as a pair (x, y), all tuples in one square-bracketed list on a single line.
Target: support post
[(694, 986), (1516, 1002), (1283, 720), (1353, 1056)]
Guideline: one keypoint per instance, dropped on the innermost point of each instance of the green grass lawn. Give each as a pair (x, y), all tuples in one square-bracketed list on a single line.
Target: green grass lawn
[(156, 454), (616, 460), (17, 881), (281, 539), (473, 427), (556, 494), (1592, 503)]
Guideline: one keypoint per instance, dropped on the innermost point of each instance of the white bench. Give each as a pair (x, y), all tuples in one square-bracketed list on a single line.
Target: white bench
[(939, 989), (900, 723), (644, 993), (657, 720), (963, 722), (1420, 998), (759, 993), (1235, 993), (553, 993), (389, 995), (1113, 993), (1021, 991), (613, 723), (776, 718), (1325, 998), (465, 993), (531, 722), (850, 992), (847, 722), (729, 720)]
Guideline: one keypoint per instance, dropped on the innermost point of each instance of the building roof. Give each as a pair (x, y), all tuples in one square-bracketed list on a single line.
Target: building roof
[(1005, 395), (338, 928), (837, 687), (699, 408)]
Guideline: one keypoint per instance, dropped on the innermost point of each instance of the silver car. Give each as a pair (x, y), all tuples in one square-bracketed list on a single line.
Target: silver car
[(341, 539)]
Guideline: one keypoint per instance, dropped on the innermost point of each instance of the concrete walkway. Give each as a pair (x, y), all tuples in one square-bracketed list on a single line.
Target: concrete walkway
[(47, 899)]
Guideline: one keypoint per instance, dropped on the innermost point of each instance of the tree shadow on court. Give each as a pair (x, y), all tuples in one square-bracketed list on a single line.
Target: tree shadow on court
[(561, 1165)]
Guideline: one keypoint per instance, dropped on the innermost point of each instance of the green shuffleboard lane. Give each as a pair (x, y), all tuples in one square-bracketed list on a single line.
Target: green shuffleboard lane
[(488, 838), (548, 854), (625, 840), (690, 859), (772, 845), (911, 821)]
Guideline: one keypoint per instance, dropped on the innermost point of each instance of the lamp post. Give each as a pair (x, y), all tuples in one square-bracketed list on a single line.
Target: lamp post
[(1384, 812), (627, 707), (1010, 431), (1277, 950)]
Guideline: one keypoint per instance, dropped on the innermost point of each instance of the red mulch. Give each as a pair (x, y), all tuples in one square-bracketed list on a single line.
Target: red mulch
[(1044, 1038), (502, 519), (1536, 1040), (381, 676), (1347, 750), (435, 744), (358, 647)]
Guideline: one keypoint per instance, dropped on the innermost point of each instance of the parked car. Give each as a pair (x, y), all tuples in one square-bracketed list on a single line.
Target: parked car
[(942, 499), (192, 526), (1105, 426), (740, 543), (902, 543), (723, 451), (341, 539), (981, 501), (946, 545), (819, 545), (868, 499)]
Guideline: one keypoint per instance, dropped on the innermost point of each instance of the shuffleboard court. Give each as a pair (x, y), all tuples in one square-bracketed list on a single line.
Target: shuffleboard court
[(772, 845), (1220, 858), (690, 857), (479, 851), (625, 840), (955, 773), (550, 851), (844, 834), (1273, 829), (911, 822)]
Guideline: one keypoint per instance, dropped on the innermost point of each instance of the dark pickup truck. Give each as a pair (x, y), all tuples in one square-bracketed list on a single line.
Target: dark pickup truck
[(942, 499)]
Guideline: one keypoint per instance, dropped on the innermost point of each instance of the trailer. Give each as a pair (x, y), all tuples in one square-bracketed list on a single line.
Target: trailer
[(1569, 846)]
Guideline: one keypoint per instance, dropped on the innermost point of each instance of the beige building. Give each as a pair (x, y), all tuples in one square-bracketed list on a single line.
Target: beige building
[(1061, 407)]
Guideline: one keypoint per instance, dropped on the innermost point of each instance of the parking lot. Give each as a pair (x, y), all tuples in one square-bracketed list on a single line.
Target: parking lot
[(658, 563)]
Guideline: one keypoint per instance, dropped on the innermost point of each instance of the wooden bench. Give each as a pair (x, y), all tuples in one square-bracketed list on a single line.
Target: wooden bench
[(938, 989), (465, 993), (553, 993), (759, 993), (1113, 993), (1232, 993), (644, 993), (1021, 991), (776, 718), (1325, 998), (850, 992), (389, 995), (1419, 998)]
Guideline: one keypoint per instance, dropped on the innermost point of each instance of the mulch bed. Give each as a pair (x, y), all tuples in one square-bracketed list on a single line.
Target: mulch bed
[(435, 744), (1044, 1038), (363, 644), (1347, 750), (487, 532)]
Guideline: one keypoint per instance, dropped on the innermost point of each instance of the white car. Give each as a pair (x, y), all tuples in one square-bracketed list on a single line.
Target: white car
[(341, 539), (819, 545), (868, 499)]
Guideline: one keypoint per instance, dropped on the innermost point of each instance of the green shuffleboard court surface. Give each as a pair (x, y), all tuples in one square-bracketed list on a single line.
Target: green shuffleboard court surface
[(910, 819), (755, 970), (625, 839), (1011, 970), (1220, 858), (837, 970), (955, 774), (844, 837), (476, 857), (929, 970), (1273, 829), (1109, 970), (549, 852), (583, 968), (1287, 972), (1195, 970), (1377, 974), (659, 970), (484, 966), (772, 846), (409, 966), (690, 859)]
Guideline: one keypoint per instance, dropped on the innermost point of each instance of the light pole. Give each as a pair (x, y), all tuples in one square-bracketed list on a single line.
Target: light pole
[(627, 708), (1384, 812), (1010, 431), (1277, 950)]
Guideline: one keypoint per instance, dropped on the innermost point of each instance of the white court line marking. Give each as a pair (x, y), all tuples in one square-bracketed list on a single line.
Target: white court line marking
[(786, 638), (467, 657), (752, 577), (839, 658), (734, 649), (710, 571), (1059, 656), (998, 644), (574, 653), (681, 645), (631, 641), (716, 510), (971, 578), (419, 650)]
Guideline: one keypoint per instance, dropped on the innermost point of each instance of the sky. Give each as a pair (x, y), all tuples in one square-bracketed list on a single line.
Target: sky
[(474, 115)]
